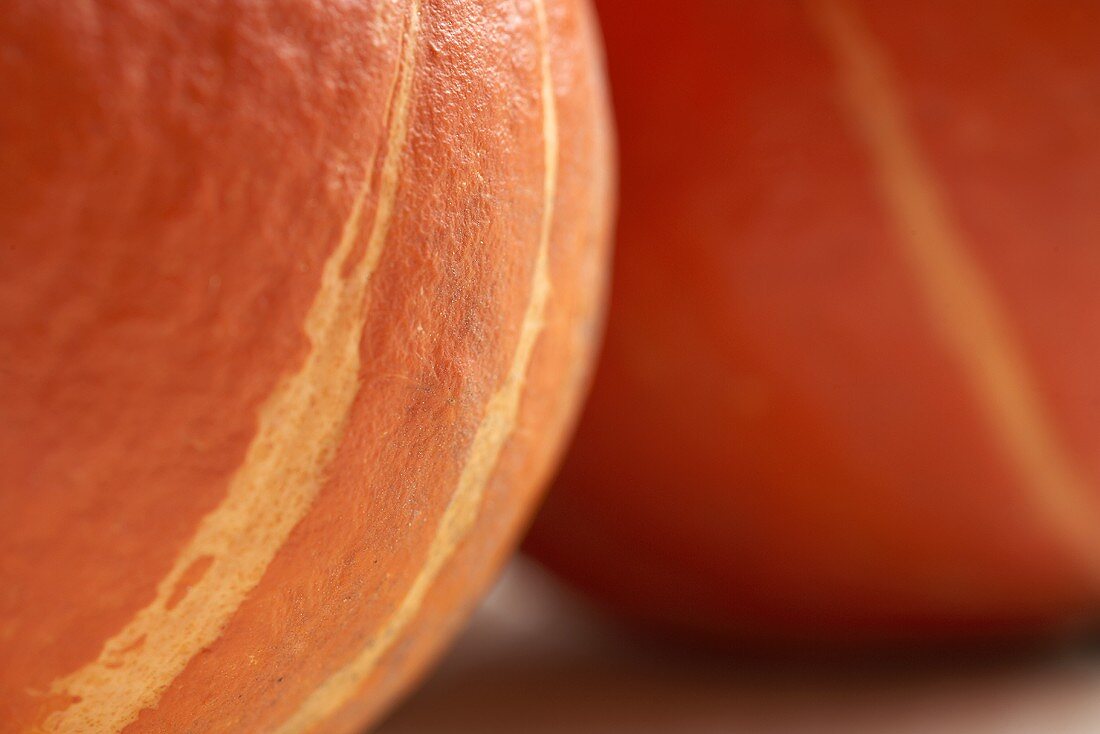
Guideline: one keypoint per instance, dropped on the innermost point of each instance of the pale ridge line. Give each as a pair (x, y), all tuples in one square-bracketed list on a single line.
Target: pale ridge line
[(964, 305), (299, 428), (495, 429)]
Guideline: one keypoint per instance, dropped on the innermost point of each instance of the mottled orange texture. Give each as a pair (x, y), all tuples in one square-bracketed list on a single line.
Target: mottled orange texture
[(297, 302), (848, 394)]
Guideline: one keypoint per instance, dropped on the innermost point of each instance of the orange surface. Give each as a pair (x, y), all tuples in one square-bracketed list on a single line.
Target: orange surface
[(848, 392), (296, 304)]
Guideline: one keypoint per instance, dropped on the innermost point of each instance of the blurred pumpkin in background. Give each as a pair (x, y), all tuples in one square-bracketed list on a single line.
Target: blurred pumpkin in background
[(849, 392)]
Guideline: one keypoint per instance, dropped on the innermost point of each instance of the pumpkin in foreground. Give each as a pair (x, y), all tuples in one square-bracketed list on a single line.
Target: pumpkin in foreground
[(849, 393), (296, 304)]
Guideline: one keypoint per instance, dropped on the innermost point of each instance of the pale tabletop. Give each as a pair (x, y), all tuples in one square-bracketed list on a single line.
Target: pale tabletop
[(535, 661)]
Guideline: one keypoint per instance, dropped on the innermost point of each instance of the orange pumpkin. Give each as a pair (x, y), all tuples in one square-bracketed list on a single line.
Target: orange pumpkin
[(297, 302), (849, 393)]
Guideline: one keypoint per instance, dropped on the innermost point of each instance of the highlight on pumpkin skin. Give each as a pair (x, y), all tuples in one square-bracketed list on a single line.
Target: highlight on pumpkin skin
[(495, 430), (299, 427)]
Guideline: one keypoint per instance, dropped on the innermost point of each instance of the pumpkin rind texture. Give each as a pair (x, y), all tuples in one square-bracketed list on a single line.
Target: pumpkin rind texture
[(848, 392), (297, 301)]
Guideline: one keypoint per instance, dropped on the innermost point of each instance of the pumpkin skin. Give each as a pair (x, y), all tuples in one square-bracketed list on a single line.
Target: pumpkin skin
[(848, 391), (297, 303)]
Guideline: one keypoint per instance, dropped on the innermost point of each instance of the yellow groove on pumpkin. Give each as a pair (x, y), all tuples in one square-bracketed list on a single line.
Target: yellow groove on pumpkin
[(963, 303), (299, 427), (492, 434)]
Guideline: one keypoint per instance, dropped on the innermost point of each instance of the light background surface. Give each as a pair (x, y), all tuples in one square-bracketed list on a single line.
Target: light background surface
[(536, 661)]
